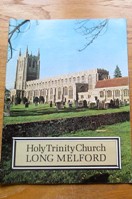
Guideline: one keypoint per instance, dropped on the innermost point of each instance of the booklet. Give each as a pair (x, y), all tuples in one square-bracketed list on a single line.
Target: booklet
[(66, 105)]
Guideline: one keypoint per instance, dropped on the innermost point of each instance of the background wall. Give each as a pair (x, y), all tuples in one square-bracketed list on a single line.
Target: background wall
[(61, 9), (62, 126)]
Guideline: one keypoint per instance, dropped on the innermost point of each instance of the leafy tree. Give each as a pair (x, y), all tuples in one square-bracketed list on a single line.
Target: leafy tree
[(36, 100), (117, 72), (17, 100), (41, 99), (24, 100)]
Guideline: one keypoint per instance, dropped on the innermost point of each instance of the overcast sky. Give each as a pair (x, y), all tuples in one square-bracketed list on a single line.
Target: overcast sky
[(59, 46)]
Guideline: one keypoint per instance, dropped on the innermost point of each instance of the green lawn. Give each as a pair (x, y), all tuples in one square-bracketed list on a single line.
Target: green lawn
[(20, 114), (78, 176), (121, 130)]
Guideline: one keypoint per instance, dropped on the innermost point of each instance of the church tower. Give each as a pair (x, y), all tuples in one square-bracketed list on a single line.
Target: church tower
[(28, 68)]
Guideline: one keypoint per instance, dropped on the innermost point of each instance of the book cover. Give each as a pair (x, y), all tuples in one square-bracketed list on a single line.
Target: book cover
[(66, 106)]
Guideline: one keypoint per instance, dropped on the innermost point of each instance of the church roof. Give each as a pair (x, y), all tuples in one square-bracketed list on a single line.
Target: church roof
[(121, 81)]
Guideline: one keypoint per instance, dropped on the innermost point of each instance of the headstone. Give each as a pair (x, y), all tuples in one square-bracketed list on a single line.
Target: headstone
[(26, 104), (50, 103), (59, 105), (117, 103)]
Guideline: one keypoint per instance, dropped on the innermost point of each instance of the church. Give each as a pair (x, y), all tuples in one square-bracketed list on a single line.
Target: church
[(84, 85)]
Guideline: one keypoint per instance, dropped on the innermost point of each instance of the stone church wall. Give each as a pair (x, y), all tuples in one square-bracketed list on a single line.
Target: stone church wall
[(53, 89)]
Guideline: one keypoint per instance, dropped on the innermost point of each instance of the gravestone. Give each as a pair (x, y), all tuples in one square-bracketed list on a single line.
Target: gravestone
[(59, 105), (26, 104)]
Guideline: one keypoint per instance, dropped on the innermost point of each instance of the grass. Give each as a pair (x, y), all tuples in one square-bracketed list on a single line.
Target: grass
[(121, 130), (20, 114), (78, 176)]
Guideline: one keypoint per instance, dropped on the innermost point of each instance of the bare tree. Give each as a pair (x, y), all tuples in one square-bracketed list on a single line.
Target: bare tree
[(90, 30), (14, 30), (84, 27)]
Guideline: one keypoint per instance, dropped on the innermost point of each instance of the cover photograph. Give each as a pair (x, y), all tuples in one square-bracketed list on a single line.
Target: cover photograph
[(66, 117)]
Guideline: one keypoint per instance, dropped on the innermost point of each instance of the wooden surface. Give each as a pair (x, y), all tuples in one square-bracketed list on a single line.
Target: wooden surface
[(62, 9)]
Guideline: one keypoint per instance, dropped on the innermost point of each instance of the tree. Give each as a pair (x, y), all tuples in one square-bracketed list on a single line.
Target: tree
[(17, 100), (90, 31), (36, 100), (41, 99), (24, 100), (117, 72), (84, 27), (14, 30)]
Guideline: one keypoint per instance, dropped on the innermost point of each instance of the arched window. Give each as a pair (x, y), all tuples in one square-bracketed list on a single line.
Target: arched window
[(42, 92), (34, 64), (109, 93), (30, 94), (29, 62), (65, 90), (36, 93), (117, 93), (101, 93), (59, 93), (70, 92), (51, 93), (126, 92)]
